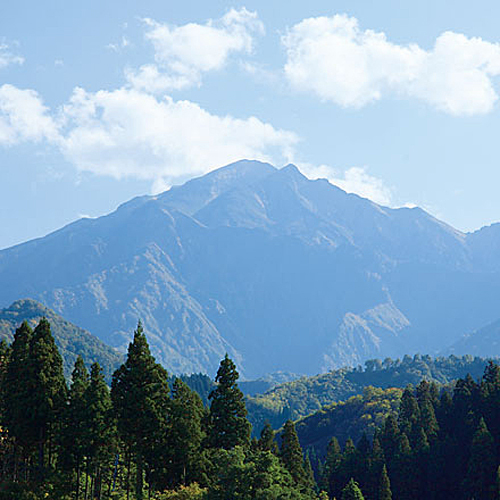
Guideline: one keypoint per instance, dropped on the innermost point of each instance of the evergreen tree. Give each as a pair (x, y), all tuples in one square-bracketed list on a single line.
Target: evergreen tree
[(74, 428), (331, 466), (47, 388), (480, 479), (184, 435), (228, 425), (292, 455), (352, 491), (408, 415), (100, 426), (384, 492), (139, 392), (15, 394), (267, 441)]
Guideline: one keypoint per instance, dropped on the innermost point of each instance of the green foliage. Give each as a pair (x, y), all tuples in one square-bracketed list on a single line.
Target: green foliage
[(228, 425), (352, 491), (139, 392), (302, 397), (71, 340), (190, 492), (359, 414)]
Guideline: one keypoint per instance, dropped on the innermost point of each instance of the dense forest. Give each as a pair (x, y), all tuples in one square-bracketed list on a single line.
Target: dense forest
[(152, 437)]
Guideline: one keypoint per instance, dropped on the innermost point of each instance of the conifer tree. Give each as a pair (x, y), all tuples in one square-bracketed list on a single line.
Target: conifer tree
[(139, 392), (266, 441), (100, 425), (184, 434), (16, 395), (47, 388), (74, 427), (351, 491), (408, 415), (384, 492), (480, 479), (228, 424), (331, 466), (292, 455)]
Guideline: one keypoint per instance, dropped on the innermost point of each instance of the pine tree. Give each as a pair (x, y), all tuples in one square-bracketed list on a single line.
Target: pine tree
[(228, 424), (480, 479), (139, 392), (16, 395), (100, 425), (292, 455), (74, 427), (352, 491), (47, 388), (331, 465), (409, 413), (184, 435), (267, 441), (384, 492)]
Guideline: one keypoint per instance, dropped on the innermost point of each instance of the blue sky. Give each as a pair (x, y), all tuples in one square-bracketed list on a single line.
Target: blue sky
[(102, 101)]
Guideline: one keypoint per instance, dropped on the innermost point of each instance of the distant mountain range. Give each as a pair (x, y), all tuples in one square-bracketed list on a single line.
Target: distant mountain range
[(282, 272), (70, 339)]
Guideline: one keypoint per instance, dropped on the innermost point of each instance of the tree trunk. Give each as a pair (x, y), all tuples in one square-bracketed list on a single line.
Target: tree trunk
[(128, 476), (86, 480), (77, 491), (139, 478)]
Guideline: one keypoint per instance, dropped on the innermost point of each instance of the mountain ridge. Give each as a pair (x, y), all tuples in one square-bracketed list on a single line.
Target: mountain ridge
[(250, 258)]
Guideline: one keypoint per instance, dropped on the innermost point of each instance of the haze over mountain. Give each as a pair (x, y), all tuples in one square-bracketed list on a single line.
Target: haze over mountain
[(281, 272), (70, 339)]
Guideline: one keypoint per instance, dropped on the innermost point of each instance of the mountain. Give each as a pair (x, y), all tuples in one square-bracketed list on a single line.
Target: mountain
[(486, 339), (281, 272), (70, 339)]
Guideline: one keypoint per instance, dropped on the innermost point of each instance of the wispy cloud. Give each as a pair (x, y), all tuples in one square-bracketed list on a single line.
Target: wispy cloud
[(352, 180), (335, 59), (8, 57)]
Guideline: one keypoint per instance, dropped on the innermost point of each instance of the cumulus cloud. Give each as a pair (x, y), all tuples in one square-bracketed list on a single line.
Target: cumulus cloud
[(338, 61), (182, 54), (24, 117), (128, 133), (7, 57), (353, 180)]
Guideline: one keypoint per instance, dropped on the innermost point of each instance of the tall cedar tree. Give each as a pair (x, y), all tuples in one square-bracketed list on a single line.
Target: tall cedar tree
[(384, 492), (47, 388), (16, 396), (331, 467), (100, 426), (292, 456), (266, 441), (139, 392), (184, 435), (74, 432), (352, 491), (228, 424), (480, 479)]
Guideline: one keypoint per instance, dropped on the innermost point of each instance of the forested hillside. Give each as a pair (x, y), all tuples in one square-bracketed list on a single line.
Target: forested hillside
[(151, 437), (306, 395), (71, 340)]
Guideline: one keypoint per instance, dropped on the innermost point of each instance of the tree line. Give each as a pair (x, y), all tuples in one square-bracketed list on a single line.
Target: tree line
[(138, 439), (146, 437), (441, 444)]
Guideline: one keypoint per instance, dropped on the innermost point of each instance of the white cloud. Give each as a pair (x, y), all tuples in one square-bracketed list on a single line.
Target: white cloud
[(333, 58), (7, 57), (24, 117), (353, 180), (128, 133), (184, 53)]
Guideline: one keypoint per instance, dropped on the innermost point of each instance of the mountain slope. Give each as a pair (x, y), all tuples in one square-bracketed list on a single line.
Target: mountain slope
[(70, 339), (256, 261)]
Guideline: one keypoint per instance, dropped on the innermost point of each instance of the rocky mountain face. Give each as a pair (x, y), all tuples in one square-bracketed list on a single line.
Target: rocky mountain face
[(282, 272)]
